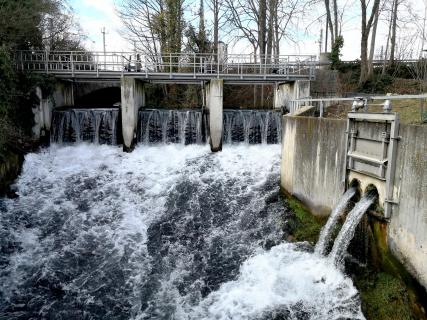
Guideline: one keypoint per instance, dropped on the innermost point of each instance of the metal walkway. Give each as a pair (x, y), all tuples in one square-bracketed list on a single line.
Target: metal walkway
[(170, 68)]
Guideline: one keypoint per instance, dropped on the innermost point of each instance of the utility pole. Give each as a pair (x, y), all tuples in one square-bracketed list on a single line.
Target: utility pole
[(103, 43), (326, 36), (424, 30), (320, 42)]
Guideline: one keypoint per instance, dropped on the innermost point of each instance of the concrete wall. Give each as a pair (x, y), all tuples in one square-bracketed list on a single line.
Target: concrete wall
[(313, 161), (42, 115), (63, 94), (312, 170), (284, 92), (408, 226)]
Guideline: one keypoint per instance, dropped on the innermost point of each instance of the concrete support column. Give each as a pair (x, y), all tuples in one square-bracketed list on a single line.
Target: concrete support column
[(132, 98), (63, 94), (42, 117), (284, 93), (214, 103)]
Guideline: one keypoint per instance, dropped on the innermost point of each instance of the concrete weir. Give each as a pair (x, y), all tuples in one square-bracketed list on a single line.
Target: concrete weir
[(214, 104), (133, 97), (294, 90), (313, 169)]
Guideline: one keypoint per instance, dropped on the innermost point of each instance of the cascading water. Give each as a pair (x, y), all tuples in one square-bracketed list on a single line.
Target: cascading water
[(252, 126), (85, 125), (171, 126), (346, 233), (189, 126), (165, 232), (326, 232)]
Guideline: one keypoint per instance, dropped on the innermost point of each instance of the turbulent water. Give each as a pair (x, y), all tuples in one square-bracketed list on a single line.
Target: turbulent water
[(165, 232), (90, 125)]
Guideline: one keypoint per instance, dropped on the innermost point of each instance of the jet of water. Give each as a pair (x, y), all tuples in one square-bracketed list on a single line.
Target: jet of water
[(347, 231), (326, 233)]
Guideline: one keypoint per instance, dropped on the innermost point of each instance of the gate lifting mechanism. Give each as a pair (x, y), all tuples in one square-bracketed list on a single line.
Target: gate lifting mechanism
[(371, 148)]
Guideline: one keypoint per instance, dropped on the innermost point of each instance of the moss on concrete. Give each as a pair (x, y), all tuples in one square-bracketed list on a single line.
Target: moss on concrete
[(387, 290), (390, 277), (306, 226), (384, 297)]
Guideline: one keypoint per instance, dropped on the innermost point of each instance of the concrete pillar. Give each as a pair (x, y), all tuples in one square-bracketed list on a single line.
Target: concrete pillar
[(42, 117), (284, 93), (133, 97), (214, 103), (63, 94)]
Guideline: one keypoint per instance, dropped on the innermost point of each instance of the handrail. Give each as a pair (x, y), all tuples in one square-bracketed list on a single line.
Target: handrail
[(171, 63), (358, 102)]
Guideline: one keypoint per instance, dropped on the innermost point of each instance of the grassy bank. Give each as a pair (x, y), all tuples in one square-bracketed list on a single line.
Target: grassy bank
[(387, 291)]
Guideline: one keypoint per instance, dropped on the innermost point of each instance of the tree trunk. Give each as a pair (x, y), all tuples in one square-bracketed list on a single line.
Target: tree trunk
[(262, 21), (271, 12), (387, 45), (336, 31), (276, 36), (329, 22), (372, 49), (393, 32), (216, 24)]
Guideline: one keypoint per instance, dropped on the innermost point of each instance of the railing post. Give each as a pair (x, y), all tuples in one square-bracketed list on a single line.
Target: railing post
[(217, 63), (146, 66), (72, 63), (46, 62), (194, 65), (321, 109), (123, 64), (170, 65), (97, 66)]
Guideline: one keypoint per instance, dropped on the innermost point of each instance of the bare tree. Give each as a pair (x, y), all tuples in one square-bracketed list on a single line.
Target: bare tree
[(155, 25)]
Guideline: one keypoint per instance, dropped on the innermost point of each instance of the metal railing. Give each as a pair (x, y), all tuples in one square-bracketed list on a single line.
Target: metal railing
[(357, 102), (74, 63)]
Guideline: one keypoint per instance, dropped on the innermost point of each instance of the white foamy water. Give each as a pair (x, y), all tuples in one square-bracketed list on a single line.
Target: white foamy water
[(165, 232)]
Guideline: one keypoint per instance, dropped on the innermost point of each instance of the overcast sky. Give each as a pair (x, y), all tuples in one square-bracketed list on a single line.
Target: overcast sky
[(94, 15)]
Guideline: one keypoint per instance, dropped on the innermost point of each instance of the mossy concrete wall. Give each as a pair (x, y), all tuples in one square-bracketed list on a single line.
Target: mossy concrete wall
[(313, 154), (312, 169)]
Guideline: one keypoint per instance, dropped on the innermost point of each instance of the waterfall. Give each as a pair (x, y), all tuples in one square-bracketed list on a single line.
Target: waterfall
[(347, 231), (189, 126), (252, 126), (171, 126), (85, 125), (326, 233)]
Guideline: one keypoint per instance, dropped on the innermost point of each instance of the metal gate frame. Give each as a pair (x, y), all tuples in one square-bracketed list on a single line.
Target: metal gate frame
[(385, 164)]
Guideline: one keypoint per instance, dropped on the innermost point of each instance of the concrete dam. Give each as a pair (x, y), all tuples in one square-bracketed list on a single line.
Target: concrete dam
[(174, 229)]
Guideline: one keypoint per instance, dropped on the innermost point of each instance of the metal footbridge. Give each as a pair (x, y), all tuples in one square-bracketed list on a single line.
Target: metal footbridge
[(168, 68)]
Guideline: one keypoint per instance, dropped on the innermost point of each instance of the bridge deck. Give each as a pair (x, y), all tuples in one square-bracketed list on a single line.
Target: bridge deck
[(172, 68)]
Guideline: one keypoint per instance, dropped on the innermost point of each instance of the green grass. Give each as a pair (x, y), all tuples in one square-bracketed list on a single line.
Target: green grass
[(409, 110)]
